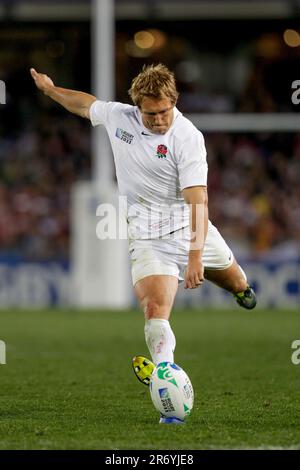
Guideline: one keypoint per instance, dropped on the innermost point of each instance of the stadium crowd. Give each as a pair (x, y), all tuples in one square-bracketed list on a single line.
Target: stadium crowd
[(254, 195), (37, 171)]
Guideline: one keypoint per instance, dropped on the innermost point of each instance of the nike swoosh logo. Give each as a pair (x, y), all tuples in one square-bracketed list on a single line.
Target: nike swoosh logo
[(144, 133)]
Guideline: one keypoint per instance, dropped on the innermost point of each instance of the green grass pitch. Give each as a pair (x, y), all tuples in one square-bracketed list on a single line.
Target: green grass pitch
[(68, 382)]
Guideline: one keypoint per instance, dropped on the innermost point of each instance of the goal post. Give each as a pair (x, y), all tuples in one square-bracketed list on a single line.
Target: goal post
[(100, 267)]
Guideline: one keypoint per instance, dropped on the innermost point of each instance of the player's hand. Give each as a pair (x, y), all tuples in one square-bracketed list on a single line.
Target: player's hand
[(194, 274), (42, 81)]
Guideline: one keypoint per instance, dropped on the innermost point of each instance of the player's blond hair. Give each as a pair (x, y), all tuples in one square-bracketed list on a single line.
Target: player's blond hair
[(154, 81)]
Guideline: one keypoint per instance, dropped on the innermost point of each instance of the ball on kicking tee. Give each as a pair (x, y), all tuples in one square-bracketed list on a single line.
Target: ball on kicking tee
[(171, 391)]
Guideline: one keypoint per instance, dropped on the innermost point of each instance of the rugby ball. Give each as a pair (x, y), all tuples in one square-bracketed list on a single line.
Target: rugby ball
[(171, 391)]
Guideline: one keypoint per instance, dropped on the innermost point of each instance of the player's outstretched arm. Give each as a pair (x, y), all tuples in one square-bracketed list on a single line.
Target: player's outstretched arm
[(76, 102)]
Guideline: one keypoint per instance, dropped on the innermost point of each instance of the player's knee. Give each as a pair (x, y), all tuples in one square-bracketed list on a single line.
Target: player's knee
[(153, 309), (237, 281), (239, 284)]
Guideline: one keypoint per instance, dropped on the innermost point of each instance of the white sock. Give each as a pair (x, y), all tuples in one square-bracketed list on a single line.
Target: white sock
[(160, 340)]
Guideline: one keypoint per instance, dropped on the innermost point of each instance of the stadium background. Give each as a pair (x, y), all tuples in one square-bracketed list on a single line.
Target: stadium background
[(230, 59)]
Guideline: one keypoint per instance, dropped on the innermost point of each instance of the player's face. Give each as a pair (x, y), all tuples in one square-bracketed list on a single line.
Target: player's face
[(157, 114)]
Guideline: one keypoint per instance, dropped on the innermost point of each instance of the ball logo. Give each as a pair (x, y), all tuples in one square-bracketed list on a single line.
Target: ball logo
[(171, 391), (166, 400), (164, 373), (163, 393), (187, 391)]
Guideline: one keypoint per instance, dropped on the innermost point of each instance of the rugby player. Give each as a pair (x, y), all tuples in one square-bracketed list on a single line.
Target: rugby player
[(161, 168)]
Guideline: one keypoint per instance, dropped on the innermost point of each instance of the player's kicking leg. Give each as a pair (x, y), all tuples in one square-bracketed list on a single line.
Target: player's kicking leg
[(222, 269), (156, 295), (234, 280)]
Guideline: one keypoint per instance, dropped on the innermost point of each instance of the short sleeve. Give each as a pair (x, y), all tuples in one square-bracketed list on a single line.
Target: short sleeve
[(99, 112), (192, 164), (105, 112)]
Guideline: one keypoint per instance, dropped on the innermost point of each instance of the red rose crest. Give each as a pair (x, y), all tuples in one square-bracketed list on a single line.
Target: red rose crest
[(161, 151)]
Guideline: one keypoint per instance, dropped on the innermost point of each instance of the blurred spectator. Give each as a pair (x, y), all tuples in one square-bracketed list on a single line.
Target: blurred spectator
[(253, 179), (254, 195), (37, 171)]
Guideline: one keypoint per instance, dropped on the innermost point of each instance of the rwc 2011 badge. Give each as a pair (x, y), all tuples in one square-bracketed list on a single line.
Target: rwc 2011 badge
[(124, 135), (161, 151)]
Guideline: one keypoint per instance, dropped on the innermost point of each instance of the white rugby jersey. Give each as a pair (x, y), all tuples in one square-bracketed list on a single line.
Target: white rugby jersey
[(152, 169)]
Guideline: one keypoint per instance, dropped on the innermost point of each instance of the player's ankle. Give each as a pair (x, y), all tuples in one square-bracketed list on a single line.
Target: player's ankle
[(240, 287)]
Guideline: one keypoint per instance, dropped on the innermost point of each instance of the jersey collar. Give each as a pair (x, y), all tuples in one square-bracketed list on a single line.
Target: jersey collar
[(147, 131)]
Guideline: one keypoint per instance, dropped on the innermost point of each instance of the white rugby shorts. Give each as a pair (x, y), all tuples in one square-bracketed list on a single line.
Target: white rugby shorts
[(169, 255)]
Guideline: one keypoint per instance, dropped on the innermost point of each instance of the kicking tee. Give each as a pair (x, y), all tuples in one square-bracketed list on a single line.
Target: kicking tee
[(152, 169)]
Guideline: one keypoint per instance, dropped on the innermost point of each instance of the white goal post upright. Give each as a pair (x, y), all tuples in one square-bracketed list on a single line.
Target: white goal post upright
[(100, 268)]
